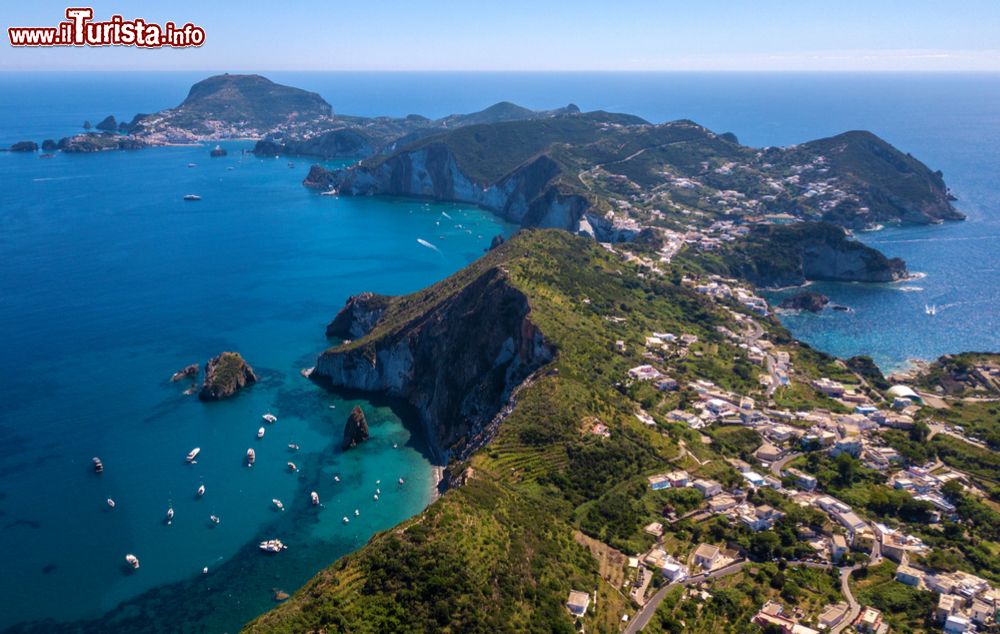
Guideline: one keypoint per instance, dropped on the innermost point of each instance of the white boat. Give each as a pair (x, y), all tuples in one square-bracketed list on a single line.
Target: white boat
[(375, 497), (346, 520), (357, 512), (336, 478), (378, 491), (201, 490), (132, 561), (314, 497), (292, 467), (193, 454), (293, 447), (930, 310), (111, 503), (192, 197), (401, 480), (192, 164), (260, 433), (277, 503), (98, 465), (214, 519), (378, 482), (170, 515), (270, 418), (272, 546), (251, 457)]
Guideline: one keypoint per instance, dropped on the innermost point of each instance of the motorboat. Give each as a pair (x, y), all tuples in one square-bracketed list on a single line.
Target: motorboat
[(315, 498), (272, 546), (170, 515), (201, 490), (98, 465), (292, 467), (251, 457), (260, 433), (375, 497), (336, 478), (270, 418), (214, 519), (293, 447), (132, 561), (346, 520), (193, 454), (276, 502), (192, 197), (401, 480), (111, 503), (357, 512)]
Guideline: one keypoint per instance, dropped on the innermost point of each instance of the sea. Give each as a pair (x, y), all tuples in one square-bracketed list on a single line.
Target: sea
[(110, 282)]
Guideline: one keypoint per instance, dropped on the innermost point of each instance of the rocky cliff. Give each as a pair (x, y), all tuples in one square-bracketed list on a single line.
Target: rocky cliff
[(455, 354), (775, 256), (358, 316), (530, 195), (225, 375)]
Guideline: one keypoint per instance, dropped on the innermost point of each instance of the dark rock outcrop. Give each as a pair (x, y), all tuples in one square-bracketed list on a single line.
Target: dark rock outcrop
[(24, 146), (225, 375), (456, 360), (83, 143), (358, 316), (108, 124), (497, 240), (807, 300), (775, 256), (340, 143), (218, 151), (185, 372), (355, 429), (49, 145)]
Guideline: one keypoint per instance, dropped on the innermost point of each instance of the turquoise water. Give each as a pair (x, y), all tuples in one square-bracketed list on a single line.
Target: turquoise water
[(110, 282)]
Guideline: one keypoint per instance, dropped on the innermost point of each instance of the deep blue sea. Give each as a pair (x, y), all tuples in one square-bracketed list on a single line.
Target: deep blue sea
[(109, 282)]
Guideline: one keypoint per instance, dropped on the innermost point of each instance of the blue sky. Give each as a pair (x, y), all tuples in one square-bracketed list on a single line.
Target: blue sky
[(911, 35)]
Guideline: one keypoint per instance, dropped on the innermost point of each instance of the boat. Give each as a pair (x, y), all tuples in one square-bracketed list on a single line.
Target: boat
[(292, 467), (315, 498), (192, 197), (378, 491), (270, 418), (375, 497), (378, 482), (98, 465), (111, 503), (346, 520), (201, 490), (251, 457), (401, 480), (214, 519), (193, 454), (293, 447), (260, 433), (170, 515), (132, 561), (217, 151), (47, 155), (272, 546), (192, 164), (336, 478), (357, 512), (930, 310), (277, 503)]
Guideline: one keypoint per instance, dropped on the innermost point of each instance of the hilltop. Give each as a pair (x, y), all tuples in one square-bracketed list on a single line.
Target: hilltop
[(233, 105), (612, 175)]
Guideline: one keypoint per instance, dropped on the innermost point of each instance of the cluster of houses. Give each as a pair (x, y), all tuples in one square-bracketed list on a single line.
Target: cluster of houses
[(966, 602), (926, 486)]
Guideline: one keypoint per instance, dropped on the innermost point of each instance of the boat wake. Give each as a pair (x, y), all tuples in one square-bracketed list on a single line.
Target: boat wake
[(425, 243)]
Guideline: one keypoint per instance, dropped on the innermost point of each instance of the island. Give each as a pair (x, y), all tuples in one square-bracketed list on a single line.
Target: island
[(225, 375)]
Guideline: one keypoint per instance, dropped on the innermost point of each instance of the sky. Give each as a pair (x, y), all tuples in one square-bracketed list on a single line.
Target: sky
[(523, 35)]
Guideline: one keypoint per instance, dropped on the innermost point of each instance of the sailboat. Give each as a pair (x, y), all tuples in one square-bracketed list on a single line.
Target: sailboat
[(930, 310)]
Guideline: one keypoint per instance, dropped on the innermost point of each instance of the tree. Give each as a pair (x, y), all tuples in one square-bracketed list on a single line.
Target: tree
[(847, 468), (764, 545)]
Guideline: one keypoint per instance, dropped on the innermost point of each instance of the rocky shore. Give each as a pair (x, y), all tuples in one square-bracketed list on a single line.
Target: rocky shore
[(225, 375)]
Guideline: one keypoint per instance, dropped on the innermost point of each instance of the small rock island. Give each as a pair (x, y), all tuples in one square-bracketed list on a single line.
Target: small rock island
[(183, 373), (806, 300), (225, 375), (356, 428)]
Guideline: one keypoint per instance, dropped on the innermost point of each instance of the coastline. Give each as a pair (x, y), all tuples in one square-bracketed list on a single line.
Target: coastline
[(436, 481)]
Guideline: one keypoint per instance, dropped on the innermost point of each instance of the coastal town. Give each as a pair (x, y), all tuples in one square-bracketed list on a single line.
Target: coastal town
[(754, 495)]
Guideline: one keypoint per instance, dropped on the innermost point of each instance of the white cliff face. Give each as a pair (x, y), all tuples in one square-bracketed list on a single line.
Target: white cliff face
[(525, 196)]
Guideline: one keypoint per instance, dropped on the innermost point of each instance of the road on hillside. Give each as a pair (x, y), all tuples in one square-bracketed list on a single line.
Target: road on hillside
[(643, 616)]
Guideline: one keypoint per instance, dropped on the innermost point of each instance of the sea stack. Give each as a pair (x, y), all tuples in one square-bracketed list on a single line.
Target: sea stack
[(225, 375), (806, 300), (356, 429)]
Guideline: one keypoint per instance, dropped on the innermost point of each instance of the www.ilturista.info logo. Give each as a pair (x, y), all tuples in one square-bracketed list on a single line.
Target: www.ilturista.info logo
[(79, 29)]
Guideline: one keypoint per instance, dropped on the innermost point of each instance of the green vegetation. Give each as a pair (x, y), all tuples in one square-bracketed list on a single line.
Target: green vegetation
[(905, 608)]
